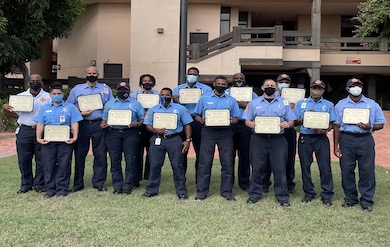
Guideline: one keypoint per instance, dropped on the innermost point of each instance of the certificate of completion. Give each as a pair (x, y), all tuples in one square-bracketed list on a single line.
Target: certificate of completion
[(24, 103), (57, 133), (316, 120), (90, 102), (267, 125), (241, 93), (215, 118), (165, 120), (148, 100), (356, 115), (293, 95), (119, 117), (189, 95)]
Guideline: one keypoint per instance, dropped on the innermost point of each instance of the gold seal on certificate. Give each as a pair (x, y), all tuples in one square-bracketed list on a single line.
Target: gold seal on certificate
[(316, 120), (215, 118), (90, 102), (24, 103), (293, 95), (119, 117), (356, 115), (241, 93), (148, 100), (267, 125), (189, 95), (165, 120), (57, 133)]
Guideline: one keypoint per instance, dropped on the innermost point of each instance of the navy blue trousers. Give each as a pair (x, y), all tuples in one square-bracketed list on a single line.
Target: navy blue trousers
[(28, 148), (143, 170), (196, 140), (360, 151), (90, 130), (241, 137), (319, 145), (124, 142), (223, 138)]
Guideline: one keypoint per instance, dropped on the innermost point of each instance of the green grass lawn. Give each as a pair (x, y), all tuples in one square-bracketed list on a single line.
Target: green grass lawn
[(91, 218)]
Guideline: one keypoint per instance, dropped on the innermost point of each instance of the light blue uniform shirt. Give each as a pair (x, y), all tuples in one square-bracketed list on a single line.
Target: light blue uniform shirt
[(308, 104), (26, 118), (137, 111), (376, 113), (134, 94), (212, 101), (63, 114), (205, 90), (183, 116), (84, 89), (254, 96), (278, 107)]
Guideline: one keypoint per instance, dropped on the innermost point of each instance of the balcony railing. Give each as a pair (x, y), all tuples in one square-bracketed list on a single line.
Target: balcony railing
[(276, 36)]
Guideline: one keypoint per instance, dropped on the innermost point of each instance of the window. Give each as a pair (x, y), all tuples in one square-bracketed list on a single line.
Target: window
[(225, 20), (112, 70), (243, 19)]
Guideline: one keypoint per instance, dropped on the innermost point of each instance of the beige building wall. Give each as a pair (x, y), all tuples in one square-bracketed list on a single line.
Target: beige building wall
[(152, 52), (204, 18), (101, 34), (43, 65), (330, 25)]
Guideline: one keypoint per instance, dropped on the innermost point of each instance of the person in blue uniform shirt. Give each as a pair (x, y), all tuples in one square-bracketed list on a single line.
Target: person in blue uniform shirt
[(168, 141), (221, 136), (146, 82), (241, 136), (90, 130), (26, 143), (354, 144), (269, 149), (58, 155), (124, 140), (315, 141), (284, 81), (192, 82)]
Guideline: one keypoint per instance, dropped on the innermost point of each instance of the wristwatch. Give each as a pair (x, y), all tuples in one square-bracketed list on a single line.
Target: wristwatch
[(188, 140)]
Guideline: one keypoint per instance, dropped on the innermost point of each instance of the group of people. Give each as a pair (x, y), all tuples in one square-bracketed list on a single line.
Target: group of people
[(259, 154)]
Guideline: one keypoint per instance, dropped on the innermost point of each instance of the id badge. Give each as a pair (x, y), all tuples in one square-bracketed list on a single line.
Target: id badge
[(157, 142), (62, 119), (17, 130)]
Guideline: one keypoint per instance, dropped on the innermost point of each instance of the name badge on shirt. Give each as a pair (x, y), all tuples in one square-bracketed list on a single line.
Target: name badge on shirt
[(157, 142), (62, 119), (303, 105)]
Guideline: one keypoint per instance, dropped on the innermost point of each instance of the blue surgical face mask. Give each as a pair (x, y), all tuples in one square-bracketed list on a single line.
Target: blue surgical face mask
[(57, 98), (192, 78), (282, 85)]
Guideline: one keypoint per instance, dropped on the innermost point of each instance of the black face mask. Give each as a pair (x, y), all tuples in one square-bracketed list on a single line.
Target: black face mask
[(91, 78), (122, 95), (147, 86), (239, 83), (35, 85), (165, 101), (269, 91), (220, 89)]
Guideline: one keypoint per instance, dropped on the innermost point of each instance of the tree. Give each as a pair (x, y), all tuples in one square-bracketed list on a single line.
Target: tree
[(26, 25), (374, 19)]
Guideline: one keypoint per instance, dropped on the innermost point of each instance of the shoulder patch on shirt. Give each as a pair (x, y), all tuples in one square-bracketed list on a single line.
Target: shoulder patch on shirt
[(324, 108)]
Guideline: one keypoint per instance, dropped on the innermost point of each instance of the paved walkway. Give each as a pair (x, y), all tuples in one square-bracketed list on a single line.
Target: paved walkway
[(382, 140)]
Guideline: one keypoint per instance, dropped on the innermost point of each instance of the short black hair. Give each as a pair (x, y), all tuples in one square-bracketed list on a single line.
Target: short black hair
[(56, 85), (166, 89), (147, 75), (220, 77), (193, 68)]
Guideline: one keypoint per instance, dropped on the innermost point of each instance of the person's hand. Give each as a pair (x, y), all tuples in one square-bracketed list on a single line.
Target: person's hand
[(103, 124), (337, 152), (42, 141), (364, 126), (161, 131), (86, 113), (321, 131), (7, 107), (233, 120), (251, 124), (200, 120), (186, 146), (71, 140), (285, 125), (134, 125)]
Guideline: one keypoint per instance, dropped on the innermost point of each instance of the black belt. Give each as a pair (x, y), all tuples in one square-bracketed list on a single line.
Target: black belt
[(241, 121), (28, 126), (356, 134), (268, 135), (312, 134), (169, 136), (121, 129), (93, 120)]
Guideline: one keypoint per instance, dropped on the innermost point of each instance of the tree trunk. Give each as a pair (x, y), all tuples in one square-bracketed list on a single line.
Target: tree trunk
[(2, 86), (26, 75)]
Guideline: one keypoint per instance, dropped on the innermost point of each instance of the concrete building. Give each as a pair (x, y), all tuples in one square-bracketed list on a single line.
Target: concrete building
[(308, 39)]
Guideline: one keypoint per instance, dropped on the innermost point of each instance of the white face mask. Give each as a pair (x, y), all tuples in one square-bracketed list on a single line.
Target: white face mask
[(282, 85), (355, 91), (192, 78)]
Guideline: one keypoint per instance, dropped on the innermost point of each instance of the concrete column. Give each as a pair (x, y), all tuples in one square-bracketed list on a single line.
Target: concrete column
[(371, 87), (316, 22), (314, 73)]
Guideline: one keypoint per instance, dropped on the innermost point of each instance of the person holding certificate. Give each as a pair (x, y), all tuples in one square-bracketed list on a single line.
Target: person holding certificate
[(166, 121), (241, 135), (26, 144), (269, 148), (313, 139), (193, 83), (146, 82), (218, 111), (94, 95), (357, 117), (124, 116), (58, 154)]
